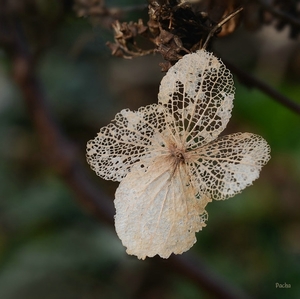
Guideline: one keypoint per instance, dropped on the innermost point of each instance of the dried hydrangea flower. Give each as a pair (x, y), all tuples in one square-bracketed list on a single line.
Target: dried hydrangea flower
[(170, 160)]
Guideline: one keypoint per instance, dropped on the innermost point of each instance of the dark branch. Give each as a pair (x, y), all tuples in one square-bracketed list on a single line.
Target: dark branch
[(100, 10), (60, 153), (251, 81), (201, 274), (62, 156), (280, 14)]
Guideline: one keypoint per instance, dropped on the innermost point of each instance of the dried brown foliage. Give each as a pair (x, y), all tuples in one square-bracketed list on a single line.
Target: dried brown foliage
[(174, 28), (177, 27)]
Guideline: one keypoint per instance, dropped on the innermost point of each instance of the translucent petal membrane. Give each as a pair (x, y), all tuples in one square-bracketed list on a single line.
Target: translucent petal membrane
[(170, 160), (229, 164), (157, 211), (132, 135), (198, 92)]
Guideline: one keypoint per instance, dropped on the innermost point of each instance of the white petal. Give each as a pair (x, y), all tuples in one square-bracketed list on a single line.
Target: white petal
[(128, 138), (198, 91), (157, 211), (228, 164)]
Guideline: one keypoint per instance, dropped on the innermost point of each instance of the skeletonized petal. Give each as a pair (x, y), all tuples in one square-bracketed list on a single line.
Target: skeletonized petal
[(132, 135), (228, 164), (198, 91), (157, 211)]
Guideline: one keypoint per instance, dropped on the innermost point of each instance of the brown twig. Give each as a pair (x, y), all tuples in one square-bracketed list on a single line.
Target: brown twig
[(61, 154), (251, 81), (220, 24)]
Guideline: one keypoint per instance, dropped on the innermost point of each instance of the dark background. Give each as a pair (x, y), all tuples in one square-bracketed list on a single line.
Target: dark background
[(52, 246)]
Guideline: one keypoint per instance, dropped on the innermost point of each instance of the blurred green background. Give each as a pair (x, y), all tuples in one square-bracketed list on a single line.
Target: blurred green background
[(51, 248)]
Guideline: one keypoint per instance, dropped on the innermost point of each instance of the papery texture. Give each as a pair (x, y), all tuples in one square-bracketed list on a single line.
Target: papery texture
[(227, 165), (198, 92), (130, 136), (170, 160), (157, 211)]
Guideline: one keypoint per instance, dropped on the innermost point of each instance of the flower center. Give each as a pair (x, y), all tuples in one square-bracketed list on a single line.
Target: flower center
[(177, 153)]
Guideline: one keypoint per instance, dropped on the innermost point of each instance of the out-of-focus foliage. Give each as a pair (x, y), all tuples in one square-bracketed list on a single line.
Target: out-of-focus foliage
[(50, 248)]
